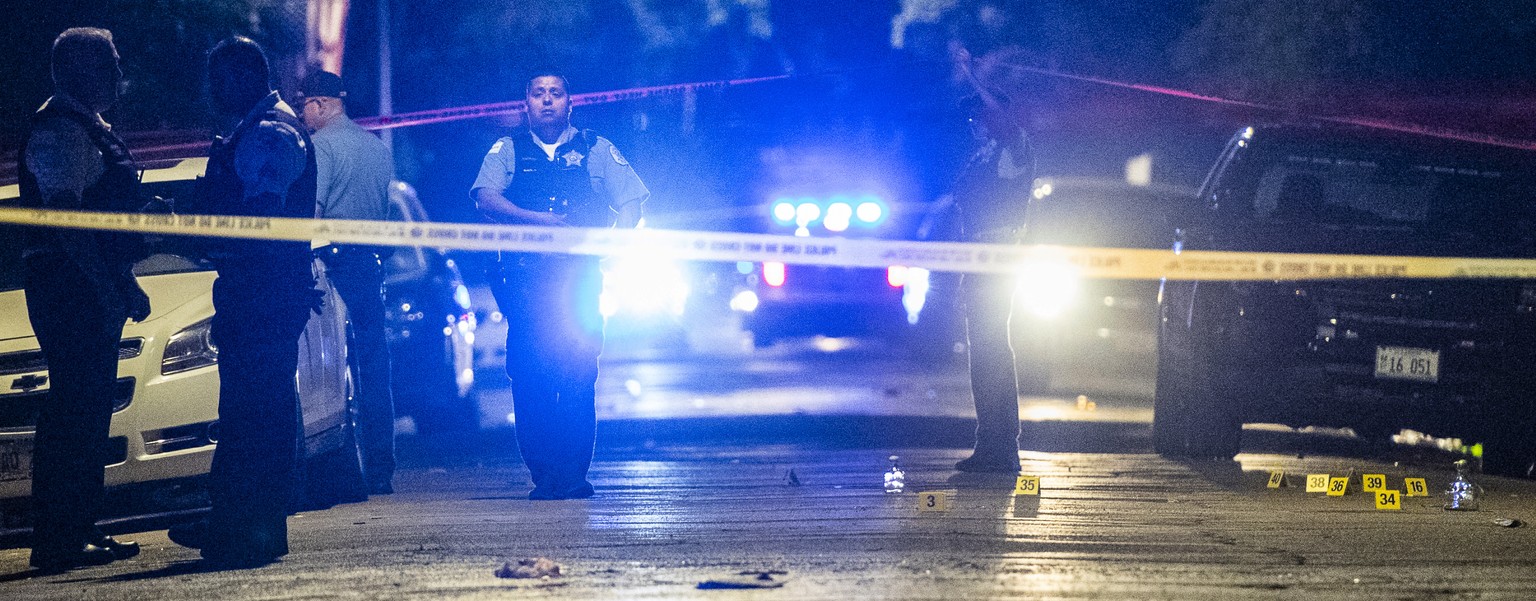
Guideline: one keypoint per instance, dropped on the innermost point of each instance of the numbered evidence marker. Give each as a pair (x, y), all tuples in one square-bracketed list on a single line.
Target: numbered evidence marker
[(1373, 482), (1027, 485), (1337, 485), (1416, 487), (933, 501), (1277, 479), (1317, 482), (1389, 500)]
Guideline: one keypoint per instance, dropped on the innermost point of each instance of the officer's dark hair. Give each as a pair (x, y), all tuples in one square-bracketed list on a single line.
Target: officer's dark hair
[(545, 71), (78, 49), (242, 54)]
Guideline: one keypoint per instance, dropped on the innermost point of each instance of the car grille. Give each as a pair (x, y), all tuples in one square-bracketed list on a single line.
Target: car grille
[(22, 362), (30, 361), (18, 412)]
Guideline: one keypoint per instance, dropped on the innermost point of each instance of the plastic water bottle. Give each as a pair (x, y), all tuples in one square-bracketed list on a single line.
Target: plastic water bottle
[(895, 479), (1462, 495)]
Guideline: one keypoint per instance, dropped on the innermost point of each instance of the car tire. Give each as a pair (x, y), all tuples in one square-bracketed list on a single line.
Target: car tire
[(1190, 416), (337, 475)]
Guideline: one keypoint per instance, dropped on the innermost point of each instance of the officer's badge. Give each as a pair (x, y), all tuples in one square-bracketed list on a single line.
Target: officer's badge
[(617, 158), (572, 158)]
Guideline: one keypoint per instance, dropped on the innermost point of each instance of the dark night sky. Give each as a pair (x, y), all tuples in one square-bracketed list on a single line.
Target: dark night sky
[(1415, 59)]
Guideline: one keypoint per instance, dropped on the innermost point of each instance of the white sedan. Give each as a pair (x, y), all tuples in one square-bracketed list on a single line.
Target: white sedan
[(165, 415)]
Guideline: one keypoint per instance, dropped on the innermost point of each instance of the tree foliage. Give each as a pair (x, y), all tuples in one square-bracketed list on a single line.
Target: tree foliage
[(163, 44), (1278, 52)]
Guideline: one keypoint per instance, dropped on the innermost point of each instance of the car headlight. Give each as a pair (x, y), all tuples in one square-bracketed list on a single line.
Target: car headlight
[(1046, 289), (644, 286), (190, 349), (745, 301)]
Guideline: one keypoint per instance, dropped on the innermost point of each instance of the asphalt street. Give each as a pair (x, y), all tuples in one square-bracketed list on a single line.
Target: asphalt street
[(689, 502), (765, 470)]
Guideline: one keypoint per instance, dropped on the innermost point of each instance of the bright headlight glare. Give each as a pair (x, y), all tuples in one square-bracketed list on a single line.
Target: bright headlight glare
[(190, 349), (1046, 288), (644, 286), (745, 301), (914, 293)]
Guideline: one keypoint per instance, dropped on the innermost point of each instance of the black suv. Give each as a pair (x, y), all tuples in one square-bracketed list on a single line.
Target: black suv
[(1449, 357)]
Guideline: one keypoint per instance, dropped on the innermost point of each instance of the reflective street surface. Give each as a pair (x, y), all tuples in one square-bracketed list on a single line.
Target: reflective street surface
[(667, 518), (715, 467)]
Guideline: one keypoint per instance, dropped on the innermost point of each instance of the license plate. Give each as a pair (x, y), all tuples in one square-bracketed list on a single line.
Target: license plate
[(15, 460), (1407, 363)]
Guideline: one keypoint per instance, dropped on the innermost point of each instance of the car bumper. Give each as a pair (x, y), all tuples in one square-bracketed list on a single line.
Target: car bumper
[(1334, 386), (162, 434)]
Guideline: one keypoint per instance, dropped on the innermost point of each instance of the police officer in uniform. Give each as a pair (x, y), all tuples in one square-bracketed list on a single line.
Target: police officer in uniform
[(553, 174), (356, 169), (991, 195), (79, 290), (263, 165)]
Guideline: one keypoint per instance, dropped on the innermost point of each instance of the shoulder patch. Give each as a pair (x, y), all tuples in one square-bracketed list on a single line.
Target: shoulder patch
[(617, 158), (495, 148)]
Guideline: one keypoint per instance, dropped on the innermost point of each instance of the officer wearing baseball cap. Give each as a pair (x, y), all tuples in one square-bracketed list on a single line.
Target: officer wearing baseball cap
[(355, 170)]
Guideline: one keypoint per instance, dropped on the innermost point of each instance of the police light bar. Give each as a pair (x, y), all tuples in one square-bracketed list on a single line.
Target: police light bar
[(836, 213)]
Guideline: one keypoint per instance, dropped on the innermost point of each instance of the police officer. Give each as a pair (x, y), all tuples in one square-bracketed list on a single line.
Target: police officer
[(263, 165), (553, 174), (355, 170), (991, 195), (79, 289)]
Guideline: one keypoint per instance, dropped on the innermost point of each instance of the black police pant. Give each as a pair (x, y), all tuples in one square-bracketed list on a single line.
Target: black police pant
[(359, 279), (554, 337), (79, 338), (256, 324), (994, 380)]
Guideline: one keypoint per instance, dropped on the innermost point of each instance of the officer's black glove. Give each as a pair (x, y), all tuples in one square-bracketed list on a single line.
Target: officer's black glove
[(316, 299), (135, 301)]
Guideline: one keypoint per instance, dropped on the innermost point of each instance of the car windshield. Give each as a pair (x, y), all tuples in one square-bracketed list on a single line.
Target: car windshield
[(1429, 195)]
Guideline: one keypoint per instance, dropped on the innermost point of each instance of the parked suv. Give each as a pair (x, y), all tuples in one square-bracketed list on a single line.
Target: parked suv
[(1449, 357)]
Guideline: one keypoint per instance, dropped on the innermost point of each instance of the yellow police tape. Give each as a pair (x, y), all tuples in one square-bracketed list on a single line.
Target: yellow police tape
[(1105, 263)]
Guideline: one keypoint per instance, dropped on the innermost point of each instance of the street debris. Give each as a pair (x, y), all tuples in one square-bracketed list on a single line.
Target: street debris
[(533, 567), (748, 579), (791, 479), (1463, 494), (895, 478), (1509, 522)]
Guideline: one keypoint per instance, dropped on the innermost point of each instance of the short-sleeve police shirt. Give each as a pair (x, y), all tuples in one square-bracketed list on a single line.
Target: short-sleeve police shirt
[(612, 176)]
